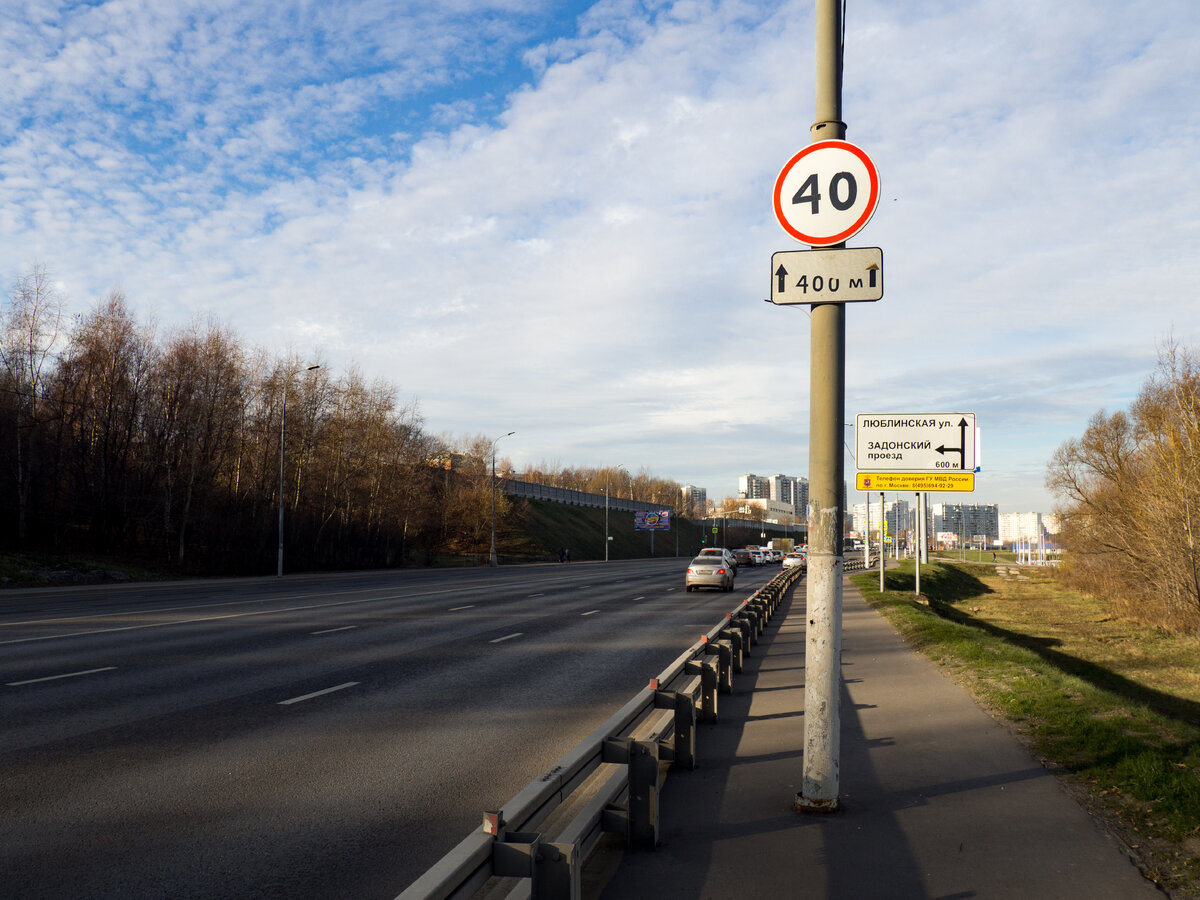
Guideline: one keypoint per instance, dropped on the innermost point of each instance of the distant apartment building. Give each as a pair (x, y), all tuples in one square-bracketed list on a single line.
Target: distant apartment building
[(900, 516), (787, 489), (966, 521), (754, 487), (695, 500), (773, 510), (1027, 526)]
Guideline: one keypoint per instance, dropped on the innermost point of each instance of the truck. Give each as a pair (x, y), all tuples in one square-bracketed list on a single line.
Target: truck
[(783, 545)]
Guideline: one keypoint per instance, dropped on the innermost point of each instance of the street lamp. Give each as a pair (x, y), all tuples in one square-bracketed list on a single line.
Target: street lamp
[(607, 472), (494, 561), (282, 433)]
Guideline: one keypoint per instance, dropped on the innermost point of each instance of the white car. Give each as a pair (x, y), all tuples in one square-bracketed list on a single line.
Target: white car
[(757, 556), (796, 559), (726, 556), (709, 570)]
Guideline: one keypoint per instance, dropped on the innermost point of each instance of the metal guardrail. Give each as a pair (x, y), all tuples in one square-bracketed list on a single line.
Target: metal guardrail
[(658, 724)]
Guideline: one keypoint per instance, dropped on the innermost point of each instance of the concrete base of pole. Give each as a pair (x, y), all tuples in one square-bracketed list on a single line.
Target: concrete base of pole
[(820, 786), (817, 807)]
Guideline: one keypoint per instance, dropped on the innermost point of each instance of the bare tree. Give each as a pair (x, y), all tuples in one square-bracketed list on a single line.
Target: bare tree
[(1131, 490), (30, 328)]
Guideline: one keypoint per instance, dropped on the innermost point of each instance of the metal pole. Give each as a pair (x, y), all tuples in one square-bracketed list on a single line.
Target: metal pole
[(882, 527), (917, 536), (827, 403), (606, 516), (494, 560), (282, 431)]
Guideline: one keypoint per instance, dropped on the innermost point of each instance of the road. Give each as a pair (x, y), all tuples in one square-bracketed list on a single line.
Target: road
[(312, 736)]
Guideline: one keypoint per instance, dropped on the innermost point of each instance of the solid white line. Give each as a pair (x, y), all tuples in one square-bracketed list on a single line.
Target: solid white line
[(592, 613), (507, 637), (340, 687), (457, 608), (332, 630), (636, 599), (531, 596), (56, 677)]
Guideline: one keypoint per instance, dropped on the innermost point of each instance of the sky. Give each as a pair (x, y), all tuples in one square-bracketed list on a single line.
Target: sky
[(556, 219)]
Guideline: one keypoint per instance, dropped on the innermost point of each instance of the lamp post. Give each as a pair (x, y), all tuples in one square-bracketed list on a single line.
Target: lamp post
[(282, 434), (494, 561), (607, 538)]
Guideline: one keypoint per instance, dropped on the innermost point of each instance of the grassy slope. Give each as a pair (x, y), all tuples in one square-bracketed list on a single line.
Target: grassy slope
[(1112, 705)]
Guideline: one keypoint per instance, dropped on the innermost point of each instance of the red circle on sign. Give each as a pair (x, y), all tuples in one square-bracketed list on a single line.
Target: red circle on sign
[(827, 229)]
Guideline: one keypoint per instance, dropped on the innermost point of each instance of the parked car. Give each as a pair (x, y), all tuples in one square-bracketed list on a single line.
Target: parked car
[(796, 559), (724, 554), (709, 570)]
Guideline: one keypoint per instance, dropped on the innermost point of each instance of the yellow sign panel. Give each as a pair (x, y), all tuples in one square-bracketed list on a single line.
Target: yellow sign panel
[(916, 481)]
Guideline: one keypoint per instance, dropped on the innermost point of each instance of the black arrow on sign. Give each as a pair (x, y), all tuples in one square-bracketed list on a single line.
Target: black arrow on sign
[(961, 449), (781, 274)]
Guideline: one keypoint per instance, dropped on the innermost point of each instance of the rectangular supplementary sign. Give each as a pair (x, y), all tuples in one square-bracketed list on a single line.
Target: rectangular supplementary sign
[(915, 442), (925, 482), (851, 275), (652, 520)]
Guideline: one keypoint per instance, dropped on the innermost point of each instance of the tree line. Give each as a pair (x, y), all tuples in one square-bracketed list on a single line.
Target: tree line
[(116, 440), (1130, 487)]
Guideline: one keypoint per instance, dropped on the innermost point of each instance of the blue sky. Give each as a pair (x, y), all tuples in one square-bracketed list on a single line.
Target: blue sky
[(555, 218)]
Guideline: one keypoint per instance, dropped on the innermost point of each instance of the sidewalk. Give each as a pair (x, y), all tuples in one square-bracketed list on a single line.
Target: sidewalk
[(938, 800)]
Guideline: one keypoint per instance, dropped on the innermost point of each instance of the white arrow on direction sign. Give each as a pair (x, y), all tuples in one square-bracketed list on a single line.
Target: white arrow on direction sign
[(826, 276)]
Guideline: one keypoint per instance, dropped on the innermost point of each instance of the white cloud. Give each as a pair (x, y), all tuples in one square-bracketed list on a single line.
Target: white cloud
[(589, 266)]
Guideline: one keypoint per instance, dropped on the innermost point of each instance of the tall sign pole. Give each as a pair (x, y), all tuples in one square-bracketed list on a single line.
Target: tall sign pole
[(827, 405)]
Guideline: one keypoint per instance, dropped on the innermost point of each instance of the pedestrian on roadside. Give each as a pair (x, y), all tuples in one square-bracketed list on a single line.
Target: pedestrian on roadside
[(567, 551), (562, 554)]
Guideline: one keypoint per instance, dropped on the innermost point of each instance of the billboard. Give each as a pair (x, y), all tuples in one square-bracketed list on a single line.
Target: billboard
[(652, 520)]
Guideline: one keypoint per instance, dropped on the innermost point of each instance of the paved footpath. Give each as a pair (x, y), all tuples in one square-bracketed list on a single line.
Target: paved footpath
[(938, 800)]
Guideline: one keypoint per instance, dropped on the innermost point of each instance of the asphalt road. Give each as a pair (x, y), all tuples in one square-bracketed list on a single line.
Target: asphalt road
[(312, 736)]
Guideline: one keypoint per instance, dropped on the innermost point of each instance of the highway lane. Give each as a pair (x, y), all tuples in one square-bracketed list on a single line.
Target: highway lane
[(311, 736)]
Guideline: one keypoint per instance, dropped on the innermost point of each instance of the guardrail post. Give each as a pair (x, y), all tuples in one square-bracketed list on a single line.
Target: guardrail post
[(685, 731), (643, 793), (682, 748), (552, 869), (743, 624), (709, 673), (723, 651), (734, 637)]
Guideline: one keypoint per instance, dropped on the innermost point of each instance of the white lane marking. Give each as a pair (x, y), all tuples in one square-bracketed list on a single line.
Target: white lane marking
[(332, 630), (531, 596), (636, 599), (507, 637), (340, 687), (592, 613), (57, 677), (457, 608)]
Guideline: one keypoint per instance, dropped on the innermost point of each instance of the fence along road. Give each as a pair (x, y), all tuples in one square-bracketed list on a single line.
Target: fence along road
[(322, 736)]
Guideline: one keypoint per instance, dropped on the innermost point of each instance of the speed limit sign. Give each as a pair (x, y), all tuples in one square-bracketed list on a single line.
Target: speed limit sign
[(826, 193)]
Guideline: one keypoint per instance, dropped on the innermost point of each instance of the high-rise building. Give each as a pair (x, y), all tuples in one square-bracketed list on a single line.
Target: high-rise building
[(1021, 527), (695, 500), (966, 521), (754, 487)]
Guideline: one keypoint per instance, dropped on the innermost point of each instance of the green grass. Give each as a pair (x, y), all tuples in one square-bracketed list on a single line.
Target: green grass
[(1047, 662), (19, 570)]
